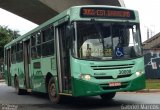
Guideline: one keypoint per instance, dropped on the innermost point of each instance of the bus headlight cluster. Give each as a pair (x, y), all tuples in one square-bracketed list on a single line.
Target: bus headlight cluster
[(139, 73), (85, 76)]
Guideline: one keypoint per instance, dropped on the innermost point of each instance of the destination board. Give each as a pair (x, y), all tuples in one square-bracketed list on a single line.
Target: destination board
[(107, 13)]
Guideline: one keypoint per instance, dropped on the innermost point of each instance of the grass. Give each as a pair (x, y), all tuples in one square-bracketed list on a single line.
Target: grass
[(153, 84)]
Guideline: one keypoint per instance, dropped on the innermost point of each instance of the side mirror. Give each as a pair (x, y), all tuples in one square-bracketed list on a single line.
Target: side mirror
[(70, 31), (69, 35)]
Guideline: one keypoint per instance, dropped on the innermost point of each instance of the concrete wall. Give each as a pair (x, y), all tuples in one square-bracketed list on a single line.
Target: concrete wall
[(38, 11)]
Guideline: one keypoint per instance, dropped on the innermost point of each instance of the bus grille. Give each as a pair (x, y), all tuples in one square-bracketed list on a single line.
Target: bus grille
[(109, 67), (124, 76), (110, 77), (107, 87), (103, 77)]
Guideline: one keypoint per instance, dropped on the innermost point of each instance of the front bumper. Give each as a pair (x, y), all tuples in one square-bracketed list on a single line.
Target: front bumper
[(86, 88)]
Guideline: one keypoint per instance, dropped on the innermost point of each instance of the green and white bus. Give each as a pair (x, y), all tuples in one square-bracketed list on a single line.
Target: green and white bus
[(84, 51)]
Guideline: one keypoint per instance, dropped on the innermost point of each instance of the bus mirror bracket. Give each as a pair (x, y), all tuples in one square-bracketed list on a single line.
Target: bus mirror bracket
[(69, 34), (69, 31)]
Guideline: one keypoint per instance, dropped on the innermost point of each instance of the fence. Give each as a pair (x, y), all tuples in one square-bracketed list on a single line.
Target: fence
[(152, 63)]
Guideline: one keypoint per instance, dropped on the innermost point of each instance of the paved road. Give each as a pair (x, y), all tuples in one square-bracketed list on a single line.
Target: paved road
[(8, 98)]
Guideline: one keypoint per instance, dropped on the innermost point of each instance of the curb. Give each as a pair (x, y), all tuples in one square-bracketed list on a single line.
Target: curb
[(149, 90), (2, 80)]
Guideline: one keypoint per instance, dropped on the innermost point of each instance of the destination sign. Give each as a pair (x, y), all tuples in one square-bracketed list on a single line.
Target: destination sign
[(107, 13)]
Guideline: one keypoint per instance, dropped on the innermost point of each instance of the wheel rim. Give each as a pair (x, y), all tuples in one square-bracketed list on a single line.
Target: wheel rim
[(52, 90)]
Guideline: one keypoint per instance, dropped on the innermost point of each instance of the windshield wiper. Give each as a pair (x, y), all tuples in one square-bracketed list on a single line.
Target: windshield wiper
[(101, 40)]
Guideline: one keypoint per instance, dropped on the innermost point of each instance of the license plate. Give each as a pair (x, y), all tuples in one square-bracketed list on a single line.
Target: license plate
[(112, 84)]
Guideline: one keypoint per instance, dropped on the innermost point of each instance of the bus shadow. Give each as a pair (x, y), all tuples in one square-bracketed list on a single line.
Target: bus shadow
[(93, 102), (39, 95)]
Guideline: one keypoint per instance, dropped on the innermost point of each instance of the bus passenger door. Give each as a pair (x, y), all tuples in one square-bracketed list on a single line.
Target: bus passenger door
[(26, 63), (63, 60), (8, 76)]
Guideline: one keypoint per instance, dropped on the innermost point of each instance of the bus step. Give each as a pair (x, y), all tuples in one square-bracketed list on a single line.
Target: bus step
[(29, 90), (65, 94)]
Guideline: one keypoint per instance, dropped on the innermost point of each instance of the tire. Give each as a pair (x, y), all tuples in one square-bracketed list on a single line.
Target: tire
[(108, 96), (17, 89), (52, 93)]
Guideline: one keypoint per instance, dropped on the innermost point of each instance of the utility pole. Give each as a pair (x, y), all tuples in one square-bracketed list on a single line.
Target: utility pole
[(148, 33)]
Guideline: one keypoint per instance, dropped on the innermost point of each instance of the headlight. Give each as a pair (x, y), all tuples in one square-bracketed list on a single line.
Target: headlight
[(139, 73), (85, 76)]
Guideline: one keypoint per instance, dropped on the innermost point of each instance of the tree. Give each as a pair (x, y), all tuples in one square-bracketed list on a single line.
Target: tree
[(6, 35)]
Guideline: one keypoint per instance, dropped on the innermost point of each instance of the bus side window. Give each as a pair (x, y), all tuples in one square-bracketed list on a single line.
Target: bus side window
[(19, 52), (48, 41), (33, 42), (36, 46), (33, 48), (13, 54), (34, 53)]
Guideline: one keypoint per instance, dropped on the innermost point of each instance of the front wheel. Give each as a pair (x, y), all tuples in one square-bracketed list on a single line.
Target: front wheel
[(108, 96), (53, 95)]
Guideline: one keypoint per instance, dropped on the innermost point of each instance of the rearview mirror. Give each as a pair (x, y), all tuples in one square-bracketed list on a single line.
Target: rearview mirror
[(69, 31), (69, 35)]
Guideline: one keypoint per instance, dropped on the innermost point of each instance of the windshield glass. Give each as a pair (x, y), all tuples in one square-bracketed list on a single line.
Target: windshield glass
[(105, 41)]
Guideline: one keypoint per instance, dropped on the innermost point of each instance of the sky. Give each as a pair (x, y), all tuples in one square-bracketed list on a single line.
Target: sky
[(15, 22), (148, 13)]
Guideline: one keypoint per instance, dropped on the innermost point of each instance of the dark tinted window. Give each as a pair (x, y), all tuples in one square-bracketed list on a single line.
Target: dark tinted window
[(33, 40), (13, 54), (38, 38), (36, 46), (48, 42), (48, 48), (19, 52), (48, 34)]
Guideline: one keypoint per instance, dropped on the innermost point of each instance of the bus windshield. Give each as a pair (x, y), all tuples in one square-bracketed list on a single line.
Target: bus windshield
[(107, 41)]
